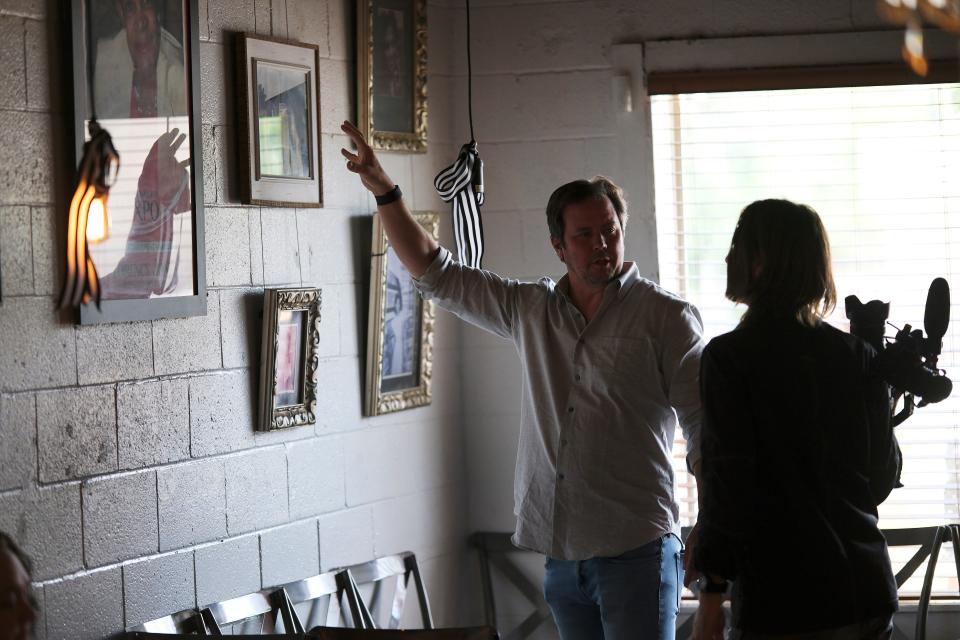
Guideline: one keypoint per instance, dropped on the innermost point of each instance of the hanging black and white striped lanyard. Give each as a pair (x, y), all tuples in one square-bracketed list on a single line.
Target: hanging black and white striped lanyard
[(462, 183)]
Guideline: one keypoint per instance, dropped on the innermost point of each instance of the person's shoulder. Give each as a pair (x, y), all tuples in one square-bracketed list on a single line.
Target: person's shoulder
[(652, 293), (113, 45)]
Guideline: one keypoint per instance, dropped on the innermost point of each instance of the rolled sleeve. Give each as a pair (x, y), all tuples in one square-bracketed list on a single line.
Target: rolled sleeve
[(430, 280)]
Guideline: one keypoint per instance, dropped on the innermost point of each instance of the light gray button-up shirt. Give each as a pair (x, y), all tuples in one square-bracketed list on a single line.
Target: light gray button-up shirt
[(601, 401)]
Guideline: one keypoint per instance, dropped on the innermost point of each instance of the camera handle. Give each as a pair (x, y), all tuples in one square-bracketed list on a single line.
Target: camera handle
[(897, 419)]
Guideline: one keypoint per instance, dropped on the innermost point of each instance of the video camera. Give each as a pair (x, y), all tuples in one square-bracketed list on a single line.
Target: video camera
[(909, 362)]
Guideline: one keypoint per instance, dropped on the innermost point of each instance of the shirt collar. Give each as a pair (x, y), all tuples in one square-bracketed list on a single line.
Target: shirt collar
[(629, 276)]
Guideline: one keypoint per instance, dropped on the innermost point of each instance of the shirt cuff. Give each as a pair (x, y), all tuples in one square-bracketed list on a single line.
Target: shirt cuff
[(428, 282)]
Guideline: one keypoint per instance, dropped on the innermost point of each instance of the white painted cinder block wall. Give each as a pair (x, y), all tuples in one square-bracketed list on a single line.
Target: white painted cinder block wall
[(129, 469)]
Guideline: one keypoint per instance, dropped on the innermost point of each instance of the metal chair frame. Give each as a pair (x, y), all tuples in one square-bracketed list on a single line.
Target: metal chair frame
[(402, 566), (929, 539), (334, 585), (493, 548), (182, 622), (272, 604)]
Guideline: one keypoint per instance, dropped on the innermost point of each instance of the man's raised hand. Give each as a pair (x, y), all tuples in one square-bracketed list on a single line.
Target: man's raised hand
[(364, 162)]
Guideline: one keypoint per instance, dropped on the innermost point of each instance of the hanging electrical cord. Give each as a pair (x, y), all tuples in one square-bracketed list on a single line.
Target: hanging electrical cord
[(88, 221), (462, 184)]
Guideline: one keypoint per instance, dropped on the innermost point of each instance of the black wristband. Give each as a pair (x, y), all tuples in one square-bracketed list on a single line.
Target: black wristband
[(390, 196), (709, 586)]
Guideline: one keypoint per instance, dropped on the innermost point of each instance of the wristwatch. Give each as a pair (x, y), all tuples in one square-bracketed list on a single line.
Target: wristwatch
[(706, 584)]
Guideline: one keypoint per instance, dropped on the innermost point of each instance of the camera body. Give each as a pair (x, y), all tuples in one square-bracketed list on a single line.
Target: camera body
[(908, 363)]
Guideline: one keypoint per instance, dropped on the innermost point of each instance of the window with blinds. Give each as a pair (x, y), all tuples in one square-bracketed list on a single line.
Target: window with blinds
[(881, 165)]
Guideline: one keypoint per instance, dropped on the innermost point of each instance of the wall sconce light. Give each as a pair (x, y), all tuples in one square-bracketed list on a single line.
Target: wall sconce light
[(88, 221), (911, 13)]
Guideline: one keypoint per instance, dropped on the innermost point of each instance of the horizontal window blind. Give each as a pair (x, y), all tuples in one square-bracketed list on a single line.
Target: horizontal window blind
[(881, 167)]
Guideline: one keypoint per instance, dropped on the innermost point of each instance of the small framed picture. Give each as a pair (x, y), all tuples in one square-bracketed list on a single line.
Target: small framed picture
[(399, 330), (279, 122), (392, 73), (288, 363)]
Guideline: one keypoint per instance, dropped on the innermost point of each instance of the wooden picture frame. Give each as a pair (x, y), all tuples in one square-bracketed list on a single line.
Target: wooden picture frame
[(289, 358), (392, 73), (152, 265), (279, 114), (399, 329)]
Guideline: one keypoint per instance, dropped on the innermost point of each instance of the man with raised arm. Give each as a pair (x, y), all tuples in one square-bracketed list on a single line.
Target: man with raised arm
[(610, 363)]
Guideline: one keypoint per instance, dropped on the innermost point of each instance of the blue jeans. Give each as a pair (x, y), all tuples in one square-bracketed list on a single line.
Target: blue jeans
[(634, 595)]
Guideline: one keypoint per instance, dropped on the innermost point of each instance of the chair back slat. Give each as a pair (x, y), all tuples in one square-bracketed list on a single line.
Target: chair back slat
[(375, 573)]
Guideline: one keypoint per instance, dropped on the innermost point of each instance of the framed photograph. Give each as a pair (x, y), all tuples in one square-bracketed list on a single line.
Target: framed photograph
[(279, 122), (399, 330), (392, 73), (289, 360), (144, 57)]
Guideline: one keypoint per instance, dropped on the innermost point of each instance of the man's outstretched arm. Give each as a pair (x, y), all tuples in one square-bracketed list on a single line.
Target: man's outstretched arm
[(414, 246)]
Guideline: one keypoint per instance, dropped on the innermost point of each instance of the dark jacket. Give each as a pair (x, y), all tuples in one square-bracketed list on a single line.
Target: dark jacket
[(798, 452)]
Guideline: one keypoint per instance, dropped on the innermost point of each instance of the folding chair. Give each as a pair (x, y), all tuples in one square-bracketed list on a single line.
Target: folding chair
[(182, 622), (375, 573), (492, 549), (929, 540), (261, 610), (320, 600)]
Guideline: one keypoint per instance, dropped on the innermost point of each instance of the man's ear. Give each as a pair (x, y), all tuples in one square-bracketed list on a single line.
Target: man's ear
[(557, 247)]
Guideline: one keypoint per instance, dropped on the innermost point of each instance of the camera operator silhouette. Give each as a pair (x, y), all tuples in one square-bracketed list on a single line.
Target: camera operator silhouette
[(798, 449)]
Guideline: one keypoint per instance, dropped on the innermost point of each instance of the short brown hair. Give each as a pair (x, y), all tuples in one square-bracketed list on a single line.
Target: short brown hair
[(779, 262), (578, 191)]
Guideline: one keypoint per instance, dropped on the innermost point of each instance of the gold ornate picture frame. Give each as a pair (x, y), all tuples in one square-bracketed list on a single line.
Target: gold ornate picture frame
[(392, 73), (289, 358), (399, 330)]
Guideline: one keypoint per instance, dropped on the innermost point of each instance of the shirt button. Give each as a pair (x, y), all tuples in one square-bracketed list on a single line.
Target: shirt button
[(563, 442), (577, 377), (569, 409), (560, 475), (580, 341)]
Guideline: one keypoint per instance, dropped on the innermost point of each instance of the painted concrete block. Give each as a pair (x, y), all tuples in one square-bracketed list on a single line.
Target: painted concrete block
[(341, 29), (445, 32), (240, 311), (85, 607), (307, 22), (214, 79), (222, 412), (341, 188), (352, 304), (337, 101), (33, 9), (38, 67), (281, 251), (491, 440), (210, 177), (47, 278), (262, 17), (119, 517), (227, 156), (46, 523), (35, 350), (192, 503), (509, 189), (316, 476), (330, 309), (158, 586), (204, 21), (338, 393), (320, 231), (111, 352), (228, 16), (27, 178), (494, 380), (77, 432), (188, 344), (289, 553), (228, 569), (16, 255), (228, 246), (346, 538), (153, 423), (13, 75), (430, 523), (256, 247), (278, 18), (18, 440), (257, 490)]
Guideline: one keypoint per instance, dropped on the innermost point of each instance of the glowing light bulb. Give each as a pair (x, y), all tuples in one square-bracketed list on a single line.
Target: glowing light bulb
[(98, 224)]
